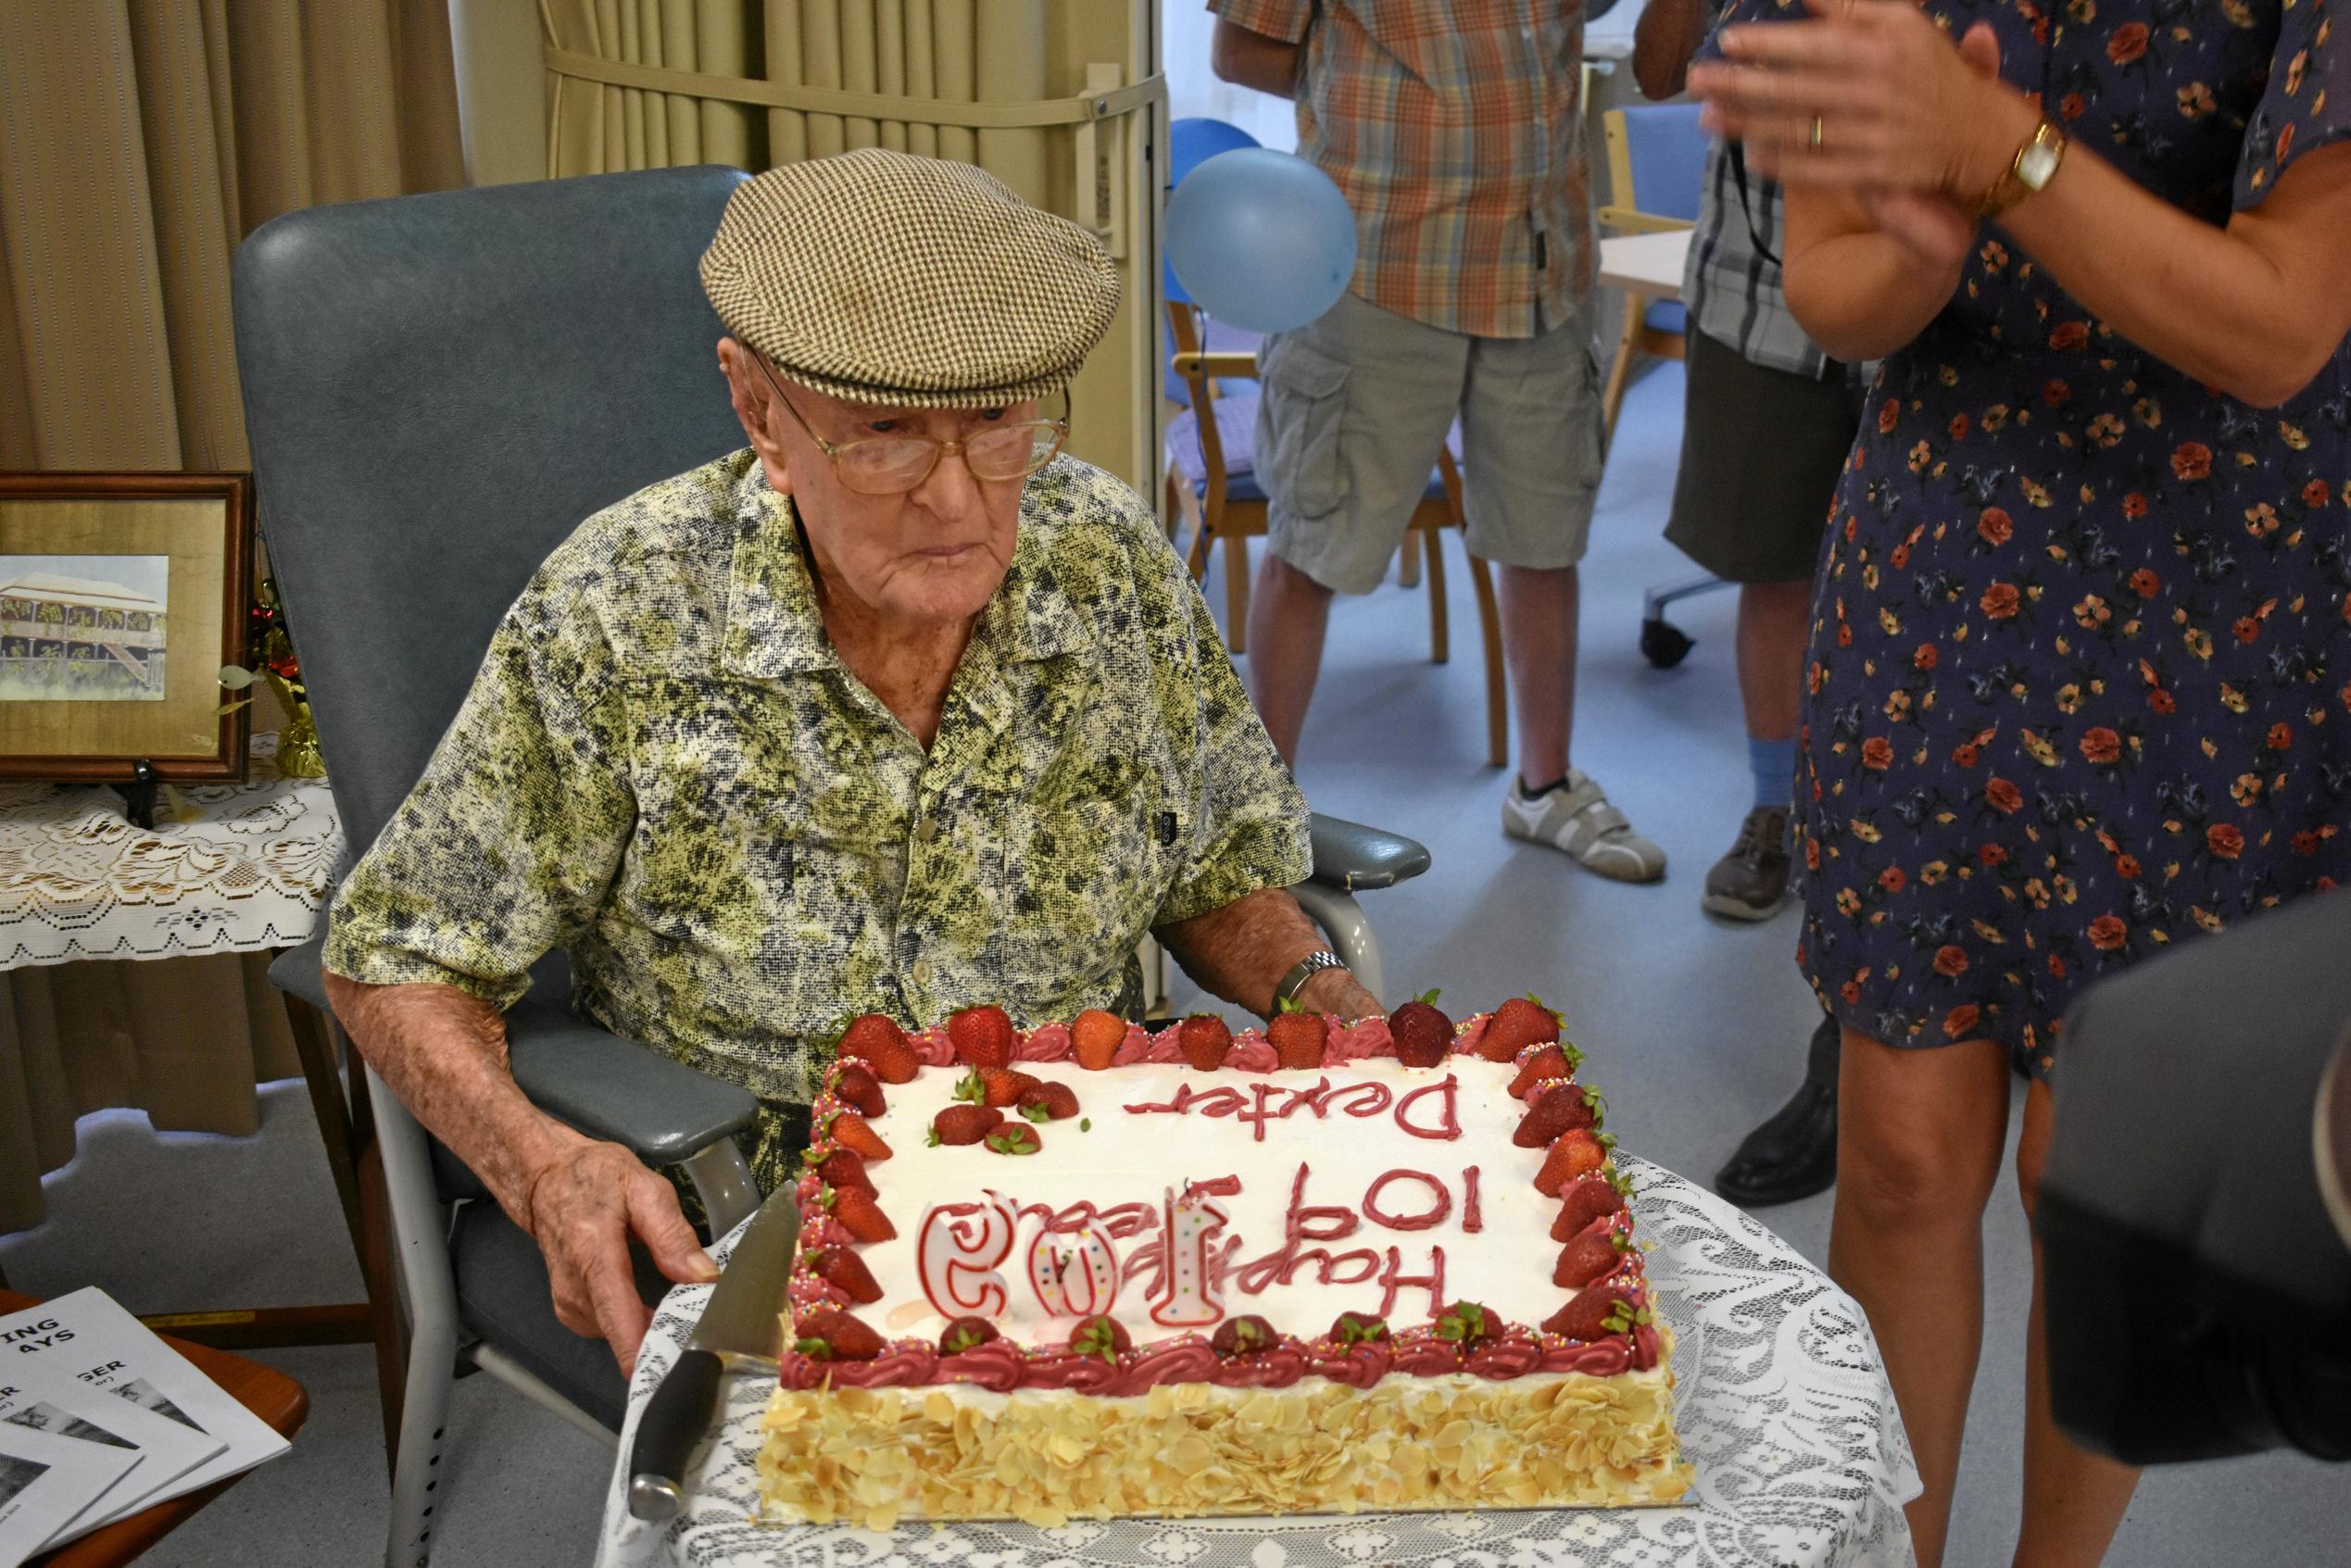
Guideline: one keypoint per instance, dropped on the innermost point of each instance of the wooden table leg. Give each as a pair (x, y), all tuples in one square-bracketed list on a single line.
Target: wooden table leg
[(314, 1041)]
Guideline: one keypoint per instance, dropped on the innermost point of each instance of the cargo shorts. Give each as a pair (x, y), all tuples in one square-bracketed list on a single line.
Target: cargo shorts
[(1356, 406)]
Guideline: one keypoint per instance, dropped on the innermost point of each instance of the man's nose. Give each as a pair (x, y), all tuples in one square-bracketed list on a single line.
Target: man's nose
[(951, 489)]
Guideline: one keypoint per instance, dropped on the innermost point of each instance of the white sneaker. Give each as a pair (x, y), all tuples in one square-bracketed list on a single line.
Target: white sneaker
[(1578, 820)]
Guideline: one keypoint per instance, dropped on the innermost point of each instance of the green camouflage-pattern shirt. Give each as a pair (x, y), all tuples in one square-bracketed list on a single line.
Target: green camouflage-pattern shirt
[(663, 769)]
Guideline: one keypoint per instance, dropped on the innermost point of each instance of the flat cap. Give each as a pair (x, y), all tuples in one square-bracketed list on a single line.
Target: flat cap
[(880, 277)]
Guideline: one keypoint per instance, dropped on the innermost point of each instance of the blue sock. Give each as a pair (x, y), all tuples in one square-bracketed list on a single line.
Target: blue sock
[(1774, 764)]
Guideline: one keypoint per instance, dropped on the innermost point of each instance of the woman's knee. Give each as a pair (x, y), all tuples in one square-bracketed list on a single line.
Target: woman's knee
[(1918, 1139)]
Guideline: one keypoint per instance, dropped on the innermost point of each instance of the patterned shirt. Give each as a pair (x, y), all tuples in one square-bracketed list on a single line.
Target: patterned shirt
[(664, 769), (1455, 130), (1732, 278)]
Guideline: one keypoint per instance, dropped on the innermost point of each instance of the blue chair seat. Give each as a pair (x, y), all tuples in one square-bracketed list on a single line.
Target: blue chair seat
[(1666, 316)]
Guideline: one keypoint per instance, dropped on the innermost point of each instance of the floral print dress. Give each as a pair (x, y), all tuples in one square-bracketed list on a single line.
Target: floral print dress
[(2079, 681)]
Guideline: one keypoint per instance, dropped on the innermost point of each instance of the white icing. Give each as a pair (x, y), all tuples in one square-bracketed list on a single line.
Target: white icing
[(1143, 1158)]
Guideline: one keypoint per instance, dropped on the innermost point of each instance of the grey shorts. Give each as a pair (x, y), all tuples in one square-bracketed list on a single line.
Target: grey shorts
[(1761, 452), (1356, 407)]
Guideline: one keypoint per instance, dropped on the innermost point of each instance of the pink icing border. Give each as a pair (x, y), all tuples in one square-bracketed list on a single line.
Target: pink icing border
[(1002, 1366)]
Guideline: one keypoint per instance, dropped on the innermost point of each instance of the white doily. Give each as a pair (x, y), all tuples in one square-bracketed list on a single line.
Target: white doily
[(78, 881), (1783, 1406)]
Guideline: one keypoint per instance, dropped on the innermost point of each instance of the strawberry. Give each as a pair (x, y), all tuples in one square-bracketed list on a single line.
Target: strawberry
[(841, 1268), (848, 1130), (855, 1085), (1014, 1137), (1597, 1312), (878, 1041), (1561, 1104), (1204, 1039), (960, 1123), (1240, 1337), (1356, 1328), (1545, 1063), (1517, 1024), (835, 1336), (1574, 1154), (1423, 1035), (842, 1169), (1593, 1255), (1100, 1337), (856, 1213), (965, 1334), (1049, 1102), (1587, 1201), (1298, 1037), (1095, 1037), (982, 1037), (1467, 1324), (999, 1087)]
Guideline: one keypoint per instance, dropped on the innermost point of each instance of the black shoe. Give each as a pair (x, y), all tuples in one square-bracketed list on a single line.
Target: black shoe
[(1792, 1155)]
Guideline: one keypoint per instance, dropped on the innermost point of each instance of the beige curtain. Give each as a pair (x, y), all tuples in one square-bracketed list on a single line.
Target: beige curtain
[(145, 138)]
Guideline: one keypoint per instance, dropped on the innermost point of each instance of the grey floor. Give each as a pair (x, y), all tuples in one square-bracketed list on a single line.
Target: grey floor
[(1693, 1026)]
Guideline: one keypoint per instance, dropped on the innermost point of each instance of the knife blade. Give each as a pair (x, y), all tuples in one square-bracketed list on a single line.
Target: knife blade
[(741, 1329)]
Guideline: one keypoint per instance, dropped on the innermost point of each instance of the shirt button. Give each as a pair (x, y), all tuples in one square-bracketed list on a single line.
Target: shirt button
[(926, 830), (922, 972)]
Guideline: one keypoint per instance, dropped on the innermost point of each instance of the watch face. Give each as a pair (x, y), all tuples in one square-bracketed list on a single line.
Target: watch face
[(2038, 163)]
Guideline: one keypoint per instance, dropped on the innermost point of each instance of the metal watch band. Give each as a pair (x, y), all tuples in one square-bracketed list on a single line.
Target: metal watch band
[(1301, 971)]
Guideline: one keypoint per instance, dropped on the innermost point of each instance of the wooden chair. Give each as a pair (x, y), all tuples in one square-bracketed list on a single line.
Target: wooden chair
[(1656, 166), (1223, 503)]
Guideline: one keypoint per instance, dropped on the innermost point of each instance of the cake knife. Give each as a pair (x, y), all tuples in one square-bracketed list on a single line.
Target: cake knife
[(741, 1330)]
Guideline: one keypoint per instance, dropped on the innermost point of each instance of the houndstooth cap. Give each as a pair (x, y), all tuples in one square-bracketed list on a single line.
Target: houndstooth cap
[(879, 277)]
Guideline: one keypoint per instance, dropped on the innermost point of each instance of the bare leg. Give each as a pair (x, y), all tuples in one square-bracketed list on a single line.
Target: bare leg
[(2073, 1498), (1538, 644), (1289, 613), (1918, 1143), (1773, 623)]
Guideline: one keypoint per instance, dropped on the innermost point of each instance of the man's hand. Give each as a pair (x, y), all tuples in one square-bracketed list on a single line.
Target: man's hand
[(581, 1206), (1340, 993)]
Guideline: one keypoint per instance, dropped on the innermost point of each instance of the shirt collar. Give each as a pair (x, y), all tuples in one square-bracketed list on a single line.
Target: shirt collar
[(775, 629)]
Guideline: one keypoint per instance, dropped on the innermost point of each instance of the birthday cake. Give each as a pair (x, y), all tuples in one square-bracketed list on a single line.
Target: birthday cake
[(1087, 1271)]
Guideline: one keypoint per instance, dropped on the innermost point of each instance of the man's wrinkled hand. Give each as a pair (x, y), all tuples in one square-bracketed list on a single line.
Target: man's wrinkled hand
[(582, 1206)]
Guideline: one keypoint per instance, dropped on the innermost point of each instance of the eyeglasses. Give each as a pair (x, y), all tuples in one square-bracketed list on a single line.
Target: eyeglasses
[(892, 465)]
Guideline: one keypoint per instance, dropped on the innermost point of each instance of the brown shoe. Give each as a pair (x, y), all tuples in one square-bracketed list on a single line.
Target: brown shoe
[(1752, 880)]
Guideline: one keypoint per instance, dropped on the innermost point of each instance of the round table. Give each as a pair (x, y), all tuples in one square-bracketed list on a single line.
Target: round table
[(1784, 1408)]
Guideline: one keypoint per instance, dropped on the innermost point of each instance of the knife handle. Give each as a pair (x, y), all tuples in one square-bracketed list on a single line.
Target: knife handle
[(674, 1420)]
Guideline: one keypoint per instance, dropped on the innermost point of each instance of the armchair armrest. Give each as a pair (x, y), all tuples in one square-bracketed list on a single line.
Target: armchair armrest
[(1631, 221), (1215, 362), (660, 1111), (1351, 857)]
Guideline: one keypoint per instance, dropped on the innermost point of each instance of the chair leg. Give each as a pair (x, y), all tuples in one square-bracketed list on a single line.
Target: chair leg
[(1439, 625), (1408, 561), (1620, 374), (1497, 672), (424, 1414), (1237, 593), (392, 1351)]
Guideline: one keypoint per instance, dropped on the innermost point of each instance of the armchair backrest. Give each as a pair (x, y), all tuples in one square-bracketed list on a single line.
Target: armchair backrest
[(437, 390)]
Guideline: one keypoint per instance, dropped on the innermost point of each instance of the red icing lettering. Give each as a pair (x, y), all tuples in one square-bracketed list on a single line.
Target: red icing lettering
[(1126, 1220), (1448, 1125), (1361, 1100), (1471, 1221), (1393, 1280), (1407, 1222), (1277, 1267), (1220, 1101)]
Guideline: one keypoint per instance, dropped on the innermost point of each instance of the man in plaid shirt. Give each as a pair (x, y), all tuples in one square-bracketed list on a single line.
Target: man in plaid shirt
[(1455, 128)]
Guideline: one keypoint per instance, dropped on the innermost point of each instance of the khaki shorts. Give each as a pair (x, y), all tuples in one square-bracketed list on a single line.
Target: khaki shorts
[(1355, 408)]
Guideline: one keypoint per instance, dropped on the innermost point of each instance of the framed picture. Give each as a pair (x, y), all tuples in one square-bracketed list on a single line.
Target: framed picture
[(121, 596)]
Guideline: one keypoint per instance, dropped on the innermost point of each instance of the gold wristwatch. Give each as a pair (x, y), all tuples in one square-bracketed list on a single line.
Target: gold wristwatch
[(2034, 166)]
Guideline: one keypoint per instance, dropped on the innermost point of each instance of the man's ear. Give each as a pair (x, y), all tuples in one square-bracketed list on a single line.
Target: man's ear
[(748, 391)]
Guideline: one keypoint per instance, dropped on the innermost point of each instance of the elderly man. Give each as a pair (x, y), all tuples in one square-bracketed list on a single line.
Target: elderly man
[(896, 710)]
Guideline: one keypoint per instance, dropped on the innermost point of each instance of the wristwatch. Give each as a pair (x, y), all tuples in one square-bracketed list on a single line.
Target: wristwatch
[(2034, 166), (1301, 971)]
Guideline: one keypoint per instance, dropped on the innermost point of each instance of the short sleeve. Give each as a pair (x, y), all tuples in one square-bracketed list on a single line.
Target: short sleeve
[(506, 846), (2305, 105), (1284, 19)]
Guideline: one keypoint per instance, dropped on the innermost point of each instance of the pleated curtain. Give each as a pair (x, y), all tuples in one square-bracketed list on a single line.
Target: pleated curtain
[(144, 139)]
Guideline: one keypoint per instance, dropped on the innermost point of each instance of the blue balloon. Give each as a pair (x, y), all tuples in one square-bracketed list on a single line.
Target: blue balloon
[(1260, 239), (1191, 142)]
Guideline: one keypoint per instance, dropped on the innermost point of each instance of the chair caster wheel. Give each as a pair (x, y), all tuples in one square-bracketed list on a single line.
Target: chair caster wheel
[(1664, 644)]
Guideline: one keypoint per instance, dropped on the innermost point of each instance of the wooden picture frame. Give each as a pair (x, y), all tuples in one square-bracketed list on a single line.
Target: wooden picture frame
[(79, 706)]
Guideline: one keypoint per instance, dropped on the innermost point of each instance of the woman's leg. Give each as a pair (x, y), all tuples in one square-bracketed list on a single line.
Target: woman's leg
[(1920, 1136), (2073, 1498)]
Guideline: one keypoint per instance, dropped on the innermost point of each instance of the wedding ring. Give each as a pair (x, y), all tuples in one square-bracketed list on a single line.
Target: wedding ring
[(1818, 133)]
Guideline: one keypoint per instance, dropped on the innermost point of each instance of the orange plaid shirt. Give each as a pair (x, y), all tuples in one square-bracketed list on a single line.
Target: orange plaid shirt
[(1455, 128)]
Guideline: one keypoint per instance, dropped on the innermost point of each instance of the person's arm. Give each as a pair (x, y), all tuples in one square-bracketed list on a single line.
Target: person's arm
[(443, 1053), (2254, 309), (1241, 952), (1667, 36), (1860, 281), (1249, 59)]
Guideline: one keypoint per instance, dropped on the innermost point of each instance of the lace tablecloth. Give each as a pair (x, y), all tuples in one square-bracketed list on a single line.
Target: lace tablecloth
[(78, 881), (1784, 1407)]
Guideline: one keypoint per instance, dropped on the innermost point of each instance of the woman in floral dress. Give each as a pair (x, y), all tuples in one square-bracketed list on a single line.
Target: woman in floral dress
[(2080, 682)]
